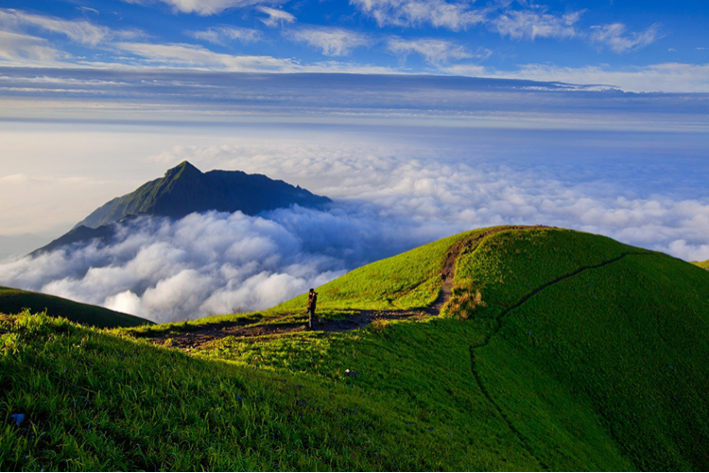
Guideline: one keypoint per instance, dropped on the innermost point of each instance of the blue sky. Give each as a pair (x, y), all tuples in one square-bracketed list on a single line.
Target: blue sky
[(635, 45)]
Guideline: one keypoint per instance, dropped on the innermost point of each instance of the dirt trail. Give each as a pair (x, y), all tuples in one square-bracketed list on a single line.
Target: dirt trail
[(195, 337)]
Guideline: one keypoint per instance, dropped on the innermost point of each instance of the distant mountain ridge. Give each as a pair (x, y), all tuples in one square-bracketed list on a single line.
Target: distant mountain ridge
[(185, 189)]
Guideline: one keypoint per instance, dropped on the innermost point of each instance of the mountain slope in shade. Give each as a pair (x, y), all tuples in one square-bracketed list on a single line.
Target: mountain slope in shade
[(13, 301), (77, 234), (185, 189)]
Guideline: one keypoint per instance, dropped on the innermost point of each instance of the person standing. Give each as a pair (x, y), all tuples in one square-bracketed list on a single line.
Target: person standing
[(312, 302)]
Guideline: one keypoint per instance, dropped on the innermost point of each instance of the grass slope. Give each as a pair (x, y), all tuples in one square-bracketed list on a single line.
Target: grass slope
[(13, 301), (607, 356), (407, 281), (578, 353)]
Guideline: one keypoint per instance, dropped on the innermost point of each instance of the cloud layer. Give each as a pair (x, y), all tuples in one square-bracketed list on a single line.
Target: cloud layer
[(213, 263)]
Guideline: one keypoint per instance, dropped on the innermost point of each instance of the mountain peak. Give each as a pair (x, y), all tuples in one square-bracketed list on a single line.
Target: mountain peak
[(185, 189), (184, 169)]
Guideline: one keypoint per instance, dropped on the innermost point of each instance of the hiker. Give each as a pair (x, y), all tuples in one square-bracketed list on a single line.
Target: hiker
[(312, 301)]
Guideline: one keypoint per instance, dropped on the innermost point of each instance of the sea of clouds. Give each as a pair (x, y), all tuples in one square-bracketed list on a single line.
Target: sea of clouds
[(389, 195)]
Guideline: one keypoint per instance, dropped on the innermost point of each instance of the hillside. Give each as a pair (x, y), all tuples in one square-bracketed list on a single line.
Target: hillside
[(13, 301), (557, 350)]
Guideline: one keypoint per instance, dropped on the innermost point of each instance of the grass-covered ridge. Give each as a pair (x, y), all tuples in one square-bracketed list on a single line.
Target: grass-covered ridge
[(608, 354), (406, 281), (13, 301), (577, 353)]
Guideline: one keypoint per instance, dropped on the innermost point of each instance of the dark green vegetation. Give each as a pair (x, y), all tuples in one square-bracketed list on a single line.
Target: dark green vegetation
[(13, 301), (185, 189), (558, 350)]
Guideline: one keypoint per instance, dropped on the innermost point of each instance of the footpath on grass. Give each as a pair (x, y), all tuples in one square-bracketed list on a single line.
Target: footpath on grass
[(193, 337)]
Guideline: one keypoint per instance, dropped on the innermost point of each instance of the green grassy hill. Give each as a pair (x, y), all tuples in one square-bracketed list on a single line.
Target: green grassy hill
[(13, 301), (558, 350)]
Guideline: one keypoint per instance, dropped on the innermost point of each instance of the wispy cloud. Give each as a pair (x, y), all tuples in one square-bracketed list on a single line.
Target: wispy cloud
[(331, 41), (222, 34), (80, 31), (435, 51), (415, 13), (93, 11), (275, 17), (197, 56), (205, 7), (24, 48), (531, 24), (675, 77), (616, 38)]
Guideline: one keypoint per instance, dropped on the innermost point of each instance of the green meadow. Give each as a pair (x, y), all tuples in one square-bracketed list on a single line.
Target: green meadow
[(558, 350)]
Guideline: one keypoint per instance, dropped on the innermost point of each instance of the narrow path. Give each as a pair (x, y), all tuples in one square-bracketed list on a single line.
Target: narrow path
[(473, 366), (468, 244)]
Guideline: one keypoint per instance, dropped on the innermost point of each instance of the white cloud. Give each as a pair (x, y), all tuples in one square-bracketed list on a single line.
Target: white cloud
[(530, 24), (187, 55), (212, 263), (88, 10), (205, 7), (332, 41), (211, 35), (416, 13), (220, 35), (435, 51), (676, 77), (470, 70), (21, 47), (80, 31), (614, 36), (275, 17)]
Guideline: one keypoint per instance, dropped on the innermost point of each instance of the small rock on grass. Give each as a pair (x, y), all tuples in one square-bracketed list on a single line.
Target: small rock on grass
[(19, 418)]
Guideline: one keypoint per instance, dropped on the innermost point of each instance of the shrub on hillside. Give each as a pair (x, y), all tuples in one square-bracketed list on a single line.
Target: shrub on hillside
[(465, 299)]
